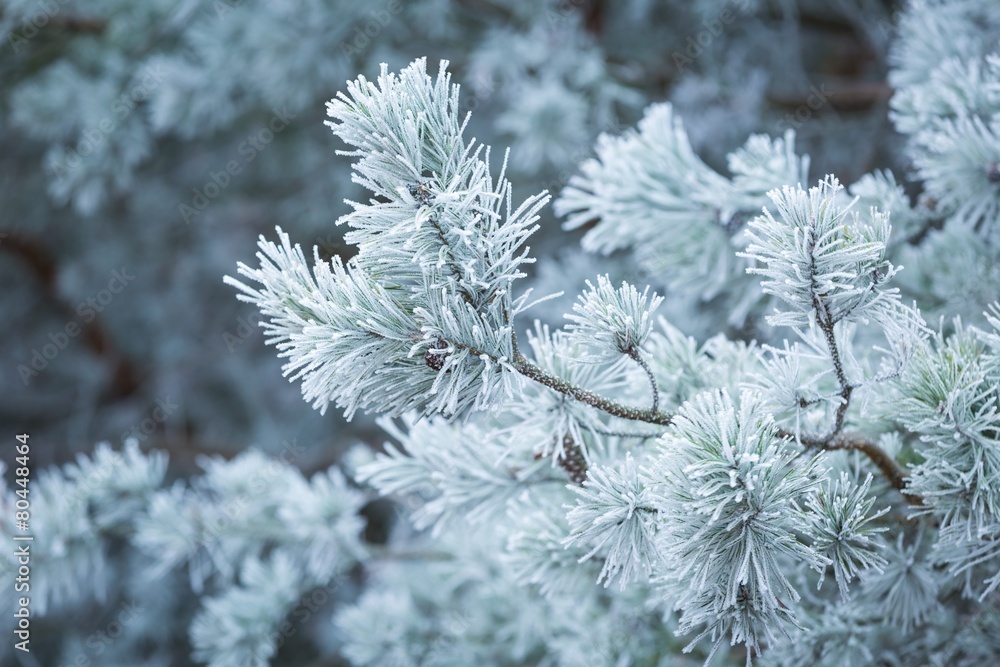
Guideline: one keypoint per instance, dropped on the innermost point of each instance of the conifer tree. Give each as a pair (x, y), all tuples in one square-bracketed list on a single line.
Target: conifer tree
[(612, 490)]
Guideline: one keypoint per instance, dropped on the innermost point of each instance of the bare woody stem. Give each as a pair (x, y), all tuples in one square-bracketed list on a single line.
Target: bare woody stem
[(826, 321), (885, 463), (529, 370), (835, 440), (533, 372), (846, 389), (891, 470), (573, 461), (635, 355)]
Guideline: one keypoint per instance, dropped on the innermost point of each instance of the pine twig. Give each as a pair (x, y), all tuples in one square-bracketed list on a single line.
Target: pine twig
[(892, 471), (533, 372), (636, 356)]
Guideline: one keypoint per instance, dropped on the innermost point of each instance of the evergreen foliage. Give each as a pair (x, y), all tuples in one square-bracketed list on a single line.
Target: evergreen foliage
[(824, 430)]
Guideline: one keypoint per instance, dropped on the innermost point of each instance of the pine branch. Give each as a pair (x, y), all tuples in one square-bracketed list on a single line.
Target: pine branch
[(636, 356), (624, 434), (833, 441), (531, 371), (891, 470), (846, 389), (424, 197), (388, 554)]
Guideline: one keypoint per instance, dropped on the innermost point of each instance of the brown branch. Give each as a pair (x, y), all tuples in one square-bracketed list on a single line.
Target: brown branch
[(634, 354), (846, 389), (79, 24), (533, 372), (885, 463), (841, 97), (825, 321), (891, 470)]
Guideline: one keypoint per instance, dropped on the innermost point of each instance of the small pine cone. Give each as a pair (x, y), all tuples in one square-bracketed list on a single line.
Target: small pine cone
[(436, 355), (434, 360), (573, 461), (993, 173), (421, 193)]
